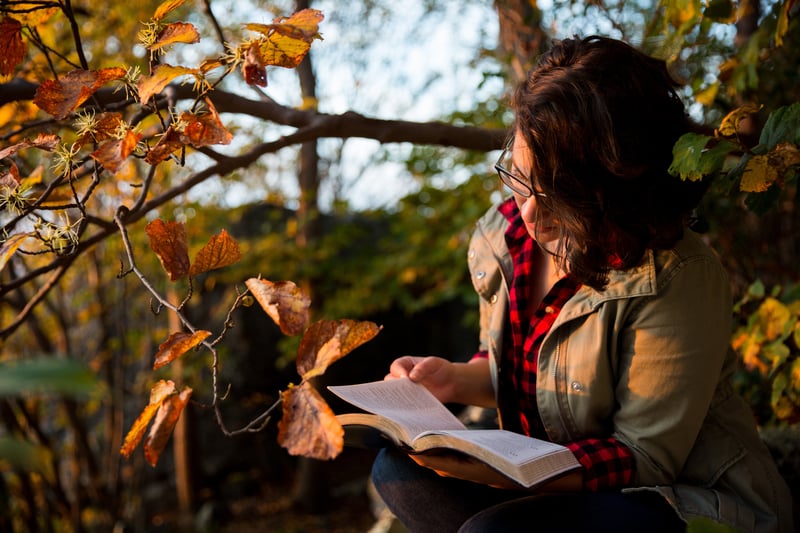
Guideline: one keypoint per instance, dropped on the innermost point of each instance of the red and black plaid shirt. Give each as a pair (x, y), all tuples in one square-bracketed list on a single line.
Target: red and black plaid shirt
[(607, 462)]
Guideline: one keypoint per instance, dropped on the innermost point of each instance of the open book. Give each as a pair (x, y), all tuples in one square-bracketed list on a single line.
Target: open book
[(413, 419)]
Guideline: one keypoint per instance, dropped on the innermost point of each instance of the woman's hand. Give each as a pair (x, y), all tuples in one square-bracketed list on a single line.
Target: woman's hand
[(438, 375), (455, 465)]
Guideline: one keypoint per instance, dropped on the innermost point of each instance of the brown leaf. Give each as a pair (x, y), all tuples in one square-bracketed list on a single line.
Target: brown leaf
[(327, 341), (42, 141), (178, 344), (168, 414), (283, 301), (158, 393), (11, 179), (177, 32), (253, 70), (308, 426), (62, 97), (166, 7), (162, 75), (106, 126), (220, 251), (165, 147), (10, 247), (112, 154), (12, 48), (205, 128), (168, 241)]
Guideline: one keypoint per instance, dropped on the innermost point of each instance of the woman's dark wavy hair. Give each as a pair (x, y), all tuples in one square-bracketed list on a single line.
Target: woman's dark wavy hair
[(600, 119)]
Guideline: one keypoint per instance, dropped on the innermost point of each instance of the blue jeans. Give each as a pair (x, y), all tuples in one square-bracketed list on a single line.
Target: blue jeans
[(426, 502)]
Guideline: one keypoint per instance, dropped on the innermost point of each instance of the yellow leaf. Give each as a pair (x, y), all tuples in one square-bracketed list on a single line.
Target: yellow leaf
[(158, 393), (10, 246), (773, 316), (176, 345), (177, 32), (729, 127), (287, 40), (327, 341), (162, 76), (308, 426), (220, 251), (167, 416), (166, 7), (283, 301), (758, 175), (168, 241)]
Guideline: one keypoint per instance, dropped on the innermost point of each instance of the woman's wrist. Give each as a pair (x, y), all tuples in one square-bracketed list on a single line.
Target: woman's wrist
[(472, 384)]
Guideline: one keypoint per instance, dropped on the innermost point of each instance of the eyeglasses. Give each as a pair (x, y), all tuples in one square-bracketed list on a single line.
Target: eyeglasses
[(512, 181)]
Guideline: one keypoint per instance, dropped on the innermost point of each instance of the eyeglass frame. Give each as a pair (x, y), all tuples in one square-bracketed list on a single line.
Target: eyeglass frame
[(511, 180)]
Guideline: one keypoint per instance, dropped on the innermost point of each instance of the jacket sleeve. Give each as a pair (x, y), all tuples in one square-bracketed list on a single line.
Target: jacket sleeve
[(671, 353)]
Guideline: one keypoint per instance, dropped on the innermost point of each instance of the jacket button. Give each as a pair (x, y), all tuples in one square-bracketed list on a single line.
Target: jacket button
[(480, 275), (493, 299), (576, 386)]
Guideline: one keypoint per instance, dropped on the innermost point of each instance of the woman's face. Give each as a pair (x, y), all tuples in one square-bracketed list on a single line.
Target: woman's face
[(541, 224)]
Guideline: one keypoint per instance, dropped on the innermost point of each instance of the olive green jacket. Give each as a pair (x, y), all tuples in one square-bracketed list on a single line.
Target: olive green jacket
[(648, 361)]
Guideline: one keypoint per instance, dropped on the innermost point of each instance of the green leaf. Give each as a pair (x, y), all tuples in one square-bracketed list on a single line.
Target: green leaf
[(46, 375), (24, 455), (783, 125), (692, 159)]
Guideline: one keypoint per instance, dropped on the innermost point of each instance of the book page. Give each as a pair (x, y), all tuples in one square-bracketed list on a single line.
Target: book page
[(409, 404), (515, 448)]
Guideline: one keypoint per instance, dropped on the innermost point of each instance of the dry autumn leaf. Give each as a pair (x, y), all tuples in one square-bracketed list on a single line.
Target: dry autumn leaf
[(12, 48), (42, 141), (105, 127), (168, 144), (283, 301), (165, 8), (10, 247), (167, 416), (61, 97), (328, 341), (762, 171), (113, 154), (288, 40), (162, 76), (176, 345), (168, 241), (253, 71), (177, 32), (220, 251), (308, 426), (204, 129), (158, 393)]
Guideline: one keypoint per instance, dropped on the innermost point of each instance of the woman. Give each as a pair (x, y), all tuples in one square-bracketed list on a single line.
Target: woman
[(605, 325)]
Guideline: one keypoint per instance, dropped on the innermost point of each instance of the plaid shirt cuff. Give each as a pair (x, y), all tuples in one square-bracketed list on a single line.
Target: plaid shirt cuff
[(608, 464)]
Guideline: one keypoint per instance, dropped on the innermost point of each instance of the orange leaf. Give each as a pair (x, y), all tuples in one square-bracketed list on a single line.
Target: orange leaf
[(112, 154), (162, 75), (283, 301), (168, 241), (327, 341), (205, 128), (10, 246), (12, 48), (158, 393), (168, 414), (166, 146), (166, 7), (220, 251), (308, 427), (177, 32), (42, 141), (288, 40), (178, 344), (62, 97), (11, 179)]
